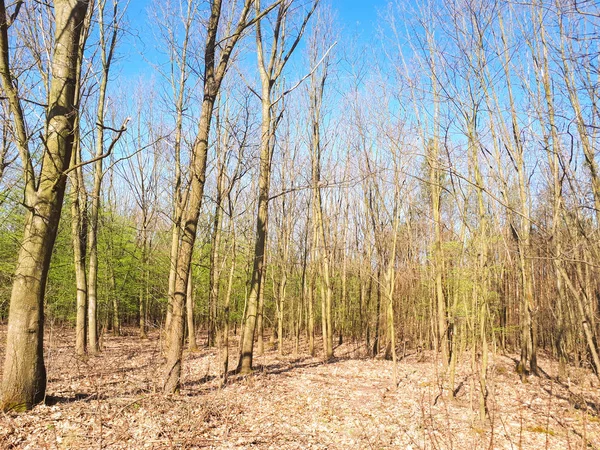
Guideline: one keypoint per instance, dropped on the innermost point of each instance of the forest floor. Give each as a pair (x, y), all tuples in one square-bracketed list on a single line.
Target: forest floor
[(113, 401)]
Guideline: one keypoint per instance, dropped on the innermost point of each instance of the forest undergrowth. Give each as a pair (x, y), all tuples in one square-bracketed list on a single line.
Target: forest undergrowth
[(114, 400)]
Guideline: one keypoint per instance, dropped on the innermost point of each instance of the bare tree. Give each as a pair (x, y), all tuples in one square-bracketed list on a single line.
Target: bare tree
[(24, 375), (108, 41), (321, 246), (79, 207), (216, 64), (271, 62)]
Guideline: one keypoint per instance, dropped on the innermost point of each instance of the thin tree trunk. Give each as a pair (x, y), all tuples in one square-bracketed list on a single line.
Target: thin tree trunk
[(256, 282), (191, 326), (310, 313), (375, 351), (227, 304), (281, 302), (179, 93), (215, 270), (553, 145), (270, 69), (320, 241), (438, 257), (116, 322), (264, 183), (79, 210), (78, 235), (260, 319), (144, 278), (175, 241), (106, 50)]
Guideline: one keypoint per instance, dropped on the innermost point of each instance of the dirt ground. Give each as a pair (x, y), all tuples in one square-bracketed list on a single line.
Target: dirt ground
[(113, 401)]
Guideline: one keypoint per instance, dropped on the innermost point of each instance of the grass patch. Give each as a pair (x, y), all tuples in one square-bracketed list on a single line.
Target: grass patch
[(539, 429)]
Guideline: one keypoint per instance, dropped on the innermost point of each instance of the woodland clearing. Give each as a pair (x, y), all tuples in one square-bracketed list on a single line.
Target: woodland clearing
[(113, 400)]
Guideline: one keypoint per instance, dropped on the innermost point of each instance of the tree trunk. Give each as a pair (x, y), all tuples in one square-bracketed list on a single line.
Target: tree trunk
[(264, 184), (282, 290), (215, 271), (319, 235), (175, 238), (78, 234), (191, 326), (310, 329), (116, 322), (375, 351), (227, 305), (144, 279), (179, 94), (245, 364), (106, 50), (24, 375), (260, 316), (175, 332)]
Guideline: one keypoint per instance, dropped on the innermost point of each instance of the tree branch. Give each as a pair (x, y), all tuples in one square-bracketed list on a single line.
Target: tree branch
[(116, 138)]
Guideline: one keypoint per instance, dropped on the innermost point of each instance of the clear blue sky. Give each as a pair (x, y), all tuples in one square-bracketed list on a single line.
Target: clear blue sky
[(357, 14), (360, 13)]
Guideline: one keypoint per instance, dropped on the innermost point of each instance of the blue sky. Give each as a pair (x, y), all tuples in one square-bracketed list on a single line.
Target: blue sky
[(355, 16), (358, 14), (351, 12)]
